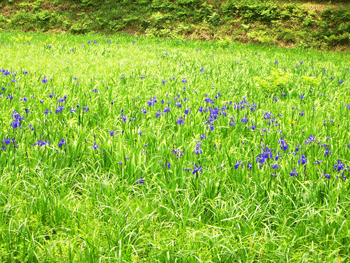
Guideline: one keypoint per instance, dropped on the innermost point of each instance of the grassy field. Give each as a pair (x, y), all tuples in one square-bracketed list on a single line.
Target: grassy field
[(127, 149)]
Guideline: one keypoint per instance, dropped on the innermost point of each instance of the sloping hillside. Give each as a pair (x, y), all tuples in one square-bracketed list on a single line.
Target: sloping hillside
[(307, 25)]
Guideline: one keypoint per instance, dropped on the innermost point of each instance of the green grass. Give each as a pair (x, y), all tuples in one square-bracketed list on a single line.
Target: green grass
[(78, 204)]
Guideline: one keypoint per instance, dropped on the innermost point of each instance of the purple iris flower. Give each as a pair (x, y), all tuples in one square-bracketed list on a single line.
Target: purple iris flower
[(61, 143), (302, 160), (141, 181), (197, 169), (95, 146), (294, 173), (180, 121), (244, 120)]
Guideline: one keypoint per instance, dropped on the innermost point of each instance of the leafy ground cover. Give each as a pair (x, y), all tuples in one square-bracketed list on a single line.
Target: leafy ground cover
[(303, 24), (141, 149)]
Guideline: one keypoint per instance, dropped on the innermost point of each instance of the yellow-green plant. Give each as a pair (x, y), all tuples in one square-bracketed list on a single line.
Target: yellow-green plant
[(276, 81)]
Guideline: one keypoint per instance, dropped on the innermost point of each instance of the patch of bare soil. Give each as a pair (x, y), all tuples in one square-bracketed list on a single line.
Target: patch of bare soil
[(343, 48), (50, 7), (5, 11), (315, 7), (285, 44), (55, 31)]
